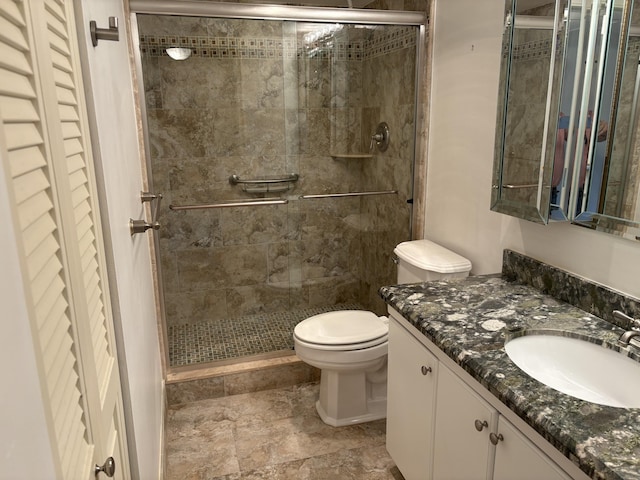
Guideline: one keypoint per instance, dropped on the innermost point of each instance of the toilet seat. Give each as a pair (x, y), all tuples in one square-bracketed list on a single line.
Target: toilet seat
[(343, 330), (344, 347)]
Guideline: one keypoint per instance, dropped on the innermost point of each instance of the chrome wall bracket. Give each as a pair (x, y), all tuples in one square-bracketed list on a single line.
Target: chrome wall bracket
[(141, 226), (110, 33)]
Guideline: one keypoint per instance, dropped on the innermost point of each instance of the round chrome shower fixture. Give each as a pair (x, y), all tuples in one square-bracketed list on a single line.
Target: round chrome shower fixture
[(178, 53), (381, 138)]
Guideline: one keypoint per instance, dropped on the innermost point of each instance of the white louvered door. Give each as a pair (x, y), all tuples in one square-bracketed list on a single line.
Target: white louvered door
[(44, 135)]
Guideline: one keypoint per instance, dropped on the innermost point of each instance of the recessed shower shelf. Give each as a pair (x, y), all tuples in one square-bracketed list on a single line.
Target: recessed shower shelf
[(351, 155)]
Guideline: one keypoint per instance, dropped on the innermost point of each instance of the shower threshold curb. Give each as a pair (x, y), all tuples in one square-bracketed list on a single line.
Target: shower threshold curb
[(193, 372)]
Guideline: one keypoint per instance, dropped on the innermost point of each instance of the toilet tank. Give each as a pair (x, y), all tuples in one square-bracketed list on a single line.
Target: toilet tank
[(423, 261)]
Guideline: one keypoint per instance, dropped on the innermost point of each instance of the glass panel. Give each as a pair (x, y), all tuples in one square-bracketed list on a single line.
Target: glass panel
[(524, 158), (610, 202), (261, 100)]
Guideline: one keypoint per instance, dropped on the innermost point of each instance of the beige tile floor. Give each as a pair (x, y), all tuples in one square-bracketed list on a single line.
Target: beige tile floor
[(273, 434)]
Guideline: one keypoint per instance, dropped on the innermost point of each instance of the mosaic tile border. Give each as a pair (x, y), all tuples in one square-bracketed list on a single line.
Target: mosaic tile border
[(532, 50), (264, 48), (542, 49)]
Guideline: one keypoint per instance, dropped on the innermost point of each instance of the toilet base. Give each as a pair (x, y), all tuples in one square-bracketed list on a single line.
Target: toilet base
[(377, 411), (349, 398)]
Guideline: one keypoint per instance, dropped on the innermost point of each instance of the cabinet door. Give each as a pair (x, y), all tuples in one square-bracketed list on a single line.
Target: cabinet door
[(462, 452), (519, 459), (410, 403)]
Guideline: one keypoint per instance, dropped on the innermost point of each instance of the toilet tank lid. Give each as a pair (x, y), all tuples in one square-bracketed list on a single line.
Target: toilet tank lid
[(430, 256)]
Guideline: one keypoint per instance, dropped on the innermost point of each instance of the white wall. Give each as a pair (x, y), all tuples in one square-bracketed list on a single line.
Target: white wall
[(466, 63), (25, 449)]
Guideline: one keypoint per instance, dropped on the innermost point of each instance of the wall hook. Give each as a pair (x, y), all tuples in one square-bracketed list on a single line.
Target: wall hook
[(110, 33)]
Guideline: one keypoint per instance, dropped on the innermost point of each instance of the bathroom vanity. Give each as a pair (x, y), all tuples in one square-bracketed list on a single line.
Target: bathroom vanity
[(458, 407)]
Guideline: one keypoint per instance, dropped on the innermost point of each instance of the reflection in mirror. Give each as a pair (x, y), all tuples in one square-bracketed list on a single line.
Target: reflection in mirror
[(611, 200), (525, 142), (567, 143), (582, 77)]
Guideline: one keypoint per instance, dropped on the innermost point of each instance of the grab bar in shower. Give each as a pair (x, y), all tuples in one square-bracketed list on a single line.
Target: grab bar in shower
[(265, 185), (239, 203), (291, 178), (350, 194)]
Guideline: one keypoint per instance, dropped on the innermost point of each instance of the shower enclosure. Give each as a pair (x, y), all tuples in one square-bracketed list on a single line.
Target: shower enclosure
[(279, 202)]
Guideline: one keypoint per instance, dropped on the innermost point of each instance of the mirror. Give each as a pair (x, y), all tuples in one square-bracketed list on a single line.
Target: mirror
[(567, 114), (611, 200), (532, 54)]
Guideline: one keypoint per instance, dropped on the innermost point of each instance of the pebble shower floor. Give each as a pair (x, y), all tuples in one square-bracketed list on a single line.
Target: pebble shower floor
[(223, 339)]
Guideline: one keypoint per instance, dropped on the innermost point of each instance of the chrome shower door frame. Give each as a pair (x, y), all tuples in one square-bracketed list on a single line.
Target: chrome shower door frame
[(199, 8)]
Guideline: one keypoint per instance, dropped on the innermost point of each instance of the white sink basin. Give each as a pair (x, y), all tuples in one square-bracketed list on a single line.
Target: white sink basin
[(578, 368)]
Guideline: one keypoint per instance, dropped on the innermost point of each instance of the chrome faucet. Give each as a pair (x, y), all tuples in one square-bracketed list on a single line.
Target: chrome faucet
[(626, 337)]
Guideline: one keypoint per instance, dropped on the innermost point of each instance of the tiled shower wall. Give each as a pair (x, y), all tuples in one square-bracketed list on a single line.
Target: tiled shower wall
[(255, 102), (389, 96)]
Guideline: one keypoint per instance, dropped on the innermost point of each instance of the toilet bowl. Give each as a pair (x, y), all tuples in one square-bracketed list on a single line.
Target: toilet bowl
[(350, 349), (350, 346)]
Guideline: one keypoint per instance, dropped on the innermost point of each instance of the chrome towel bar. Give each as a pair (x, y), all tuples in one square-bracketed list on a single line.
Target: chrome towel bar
[(239, 203), (350, 194)]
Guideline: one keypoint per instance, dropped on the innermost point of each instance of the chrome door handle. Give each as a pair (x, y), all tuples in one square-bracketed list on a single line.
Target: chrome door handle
[(109, 468)]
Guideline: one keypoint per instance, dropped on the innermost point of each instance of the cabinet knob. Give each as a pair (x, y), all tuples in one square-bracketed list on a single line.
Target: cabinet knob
[(480, 424), (425, 370), (493, 438)]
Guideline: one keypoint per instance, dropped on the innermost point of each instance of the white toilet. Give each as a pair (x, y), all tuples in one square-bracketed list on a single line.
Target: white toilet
[(350, 346)]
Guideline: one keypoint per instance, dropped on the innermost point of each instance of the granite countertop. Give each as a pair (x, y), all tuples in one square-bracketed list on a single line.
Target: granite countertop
[(467, 319)]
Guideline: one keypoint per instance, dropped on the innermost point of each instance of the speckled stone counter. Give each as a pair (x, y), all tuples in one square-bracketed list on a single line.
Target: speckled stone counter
[(467, 319)]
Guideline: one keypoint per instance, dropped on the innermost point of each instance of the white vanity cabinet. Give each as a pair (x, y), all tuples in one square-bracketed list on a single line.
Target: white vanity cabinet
[(463, 421), (440, 427), (518, 458), (411, 395), (473, 441)]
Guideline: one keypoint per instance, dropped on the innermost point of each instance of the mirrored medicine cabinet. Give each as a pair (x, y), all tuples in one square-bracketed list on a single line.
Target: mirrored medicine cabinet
[(567, 144)]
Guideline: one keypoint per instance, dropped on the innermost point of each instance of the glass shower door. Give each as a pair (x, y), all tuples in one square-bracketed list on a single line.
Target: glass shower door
[(262, 115)]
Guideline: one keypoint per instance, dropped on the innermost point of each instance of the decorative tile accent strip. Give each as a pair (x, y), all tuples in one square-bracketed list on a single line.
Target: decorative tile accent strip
[(194, 343), (542, 49), (529, 51), (218, 47), (384, 40), (532, 50), (589, 296)]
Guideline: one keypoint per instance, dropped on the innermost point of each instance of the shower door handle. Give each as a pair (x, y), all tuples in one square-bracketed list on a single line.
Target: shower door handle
[(141, 226)]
